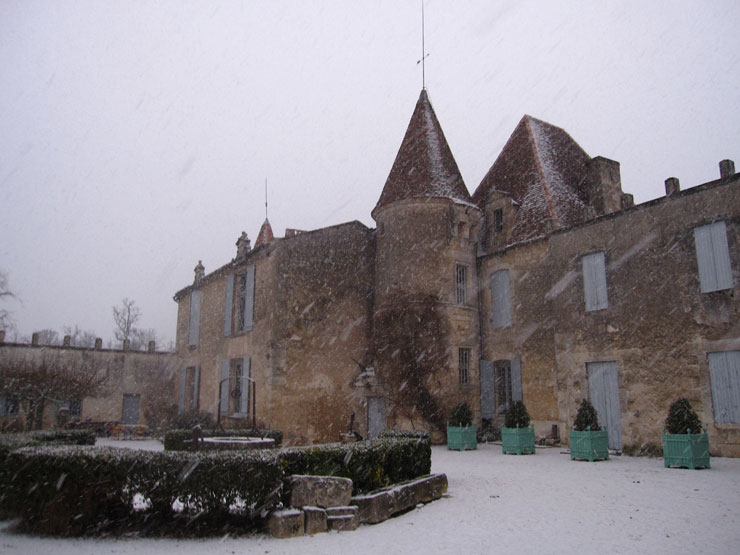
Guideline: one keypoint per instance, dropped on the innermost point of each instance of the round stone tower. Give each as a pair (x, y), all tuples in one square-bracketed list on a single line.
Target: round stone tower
[(426, 327)]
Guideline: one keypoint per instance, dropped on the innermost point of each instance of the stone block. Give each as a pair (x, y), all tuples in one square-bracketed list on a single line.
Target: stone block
[(319, 491), (380, 505), (343, 523), (288, 523), (314, 520)]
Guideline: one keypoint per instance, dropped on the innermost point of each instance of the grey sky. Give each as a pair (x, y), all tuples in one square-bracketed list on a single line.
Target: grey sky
[(136, 136)]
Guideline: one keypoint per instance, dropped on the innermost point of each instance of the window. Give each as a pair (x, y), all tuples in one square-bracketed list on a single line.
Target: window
[(463, 356), (8, 406), (507, 383), (72, 406), (194, 318), (713, 257), (189, 389), (498, 220), (724, 373), (594, 281), (234, 388), (461, 279), (245, 300), (500, 292)]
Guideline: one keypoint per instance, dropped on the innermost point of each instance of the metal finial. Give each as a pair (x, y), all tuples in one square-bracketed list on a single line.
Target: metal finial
[(265, 198), (423, 50)]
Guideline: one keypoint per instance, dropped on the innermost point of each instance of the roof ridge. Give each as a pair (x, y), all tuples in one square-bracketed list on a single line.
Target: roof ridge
[(541, 170)]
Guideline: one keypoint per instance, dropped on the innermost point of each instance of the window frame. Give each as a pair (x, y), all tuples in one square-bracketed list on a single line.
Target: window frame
[(595, 287), (713, 261), (461, 284), (463, 365)]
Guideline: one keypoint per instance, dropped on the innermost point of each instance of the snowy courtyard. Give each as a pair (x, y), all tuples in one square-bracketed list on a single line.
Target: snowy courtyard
[(504, 503)]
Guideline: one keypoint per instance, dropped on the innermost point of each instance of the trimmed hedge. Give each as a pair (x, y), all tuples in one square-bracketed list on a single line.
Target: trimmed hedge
[(394, 434), (370, 465), (174, 440), (70, 491)]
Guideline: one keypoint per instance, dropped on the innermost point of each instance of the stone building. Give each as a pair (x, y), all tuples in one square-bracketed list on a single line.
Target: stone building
[(547, 284)]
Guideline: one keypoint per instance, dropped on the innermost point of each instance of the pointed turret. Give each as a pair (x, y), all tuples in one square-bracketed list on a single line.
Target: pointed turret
[(424, 165), (265, 235)]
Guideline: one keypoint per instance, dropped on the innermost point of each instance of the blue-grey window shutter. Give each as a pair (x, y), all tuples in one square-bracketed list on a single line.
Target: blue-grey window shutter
[(516, 380), (500, 292), (594, 281), (224, 387), (196, 389), (183, 380), (713, 257), (228, 304), (246, 385), (194, 322), (487, 399), (249, 304), (724, 374)]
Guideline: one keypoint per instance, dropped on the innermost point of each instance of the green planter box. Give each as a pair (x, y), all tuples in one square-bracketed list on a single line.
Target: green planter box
[(461, 438), (588, 445), (687, 450), (517, 440)]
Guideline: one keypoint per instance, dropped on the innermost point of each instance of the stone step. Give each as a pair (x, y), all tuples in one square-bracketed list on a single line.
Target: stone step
[(342, 511), (315, 520), (380, 505), (343, 522)]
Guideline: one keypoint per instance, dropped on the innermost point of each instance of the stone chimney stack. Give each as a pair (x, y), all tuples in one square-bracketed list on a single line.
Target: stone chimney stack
[(98, 343), (604, 184), (35, 338), (126, 344), (672, 186), (243, 246), (2, 336), (726, 169), (150, 347), (67, 341)]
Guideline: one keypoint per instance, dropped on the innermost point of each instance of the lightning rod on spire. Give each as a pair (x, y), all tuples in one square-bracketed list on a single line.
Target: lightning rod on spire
[(265, 198), (423, 50)]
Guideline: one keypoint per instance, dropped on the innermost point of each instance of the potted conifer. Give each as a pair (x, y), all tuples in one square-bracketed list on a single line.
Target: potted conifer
[(587, 440), (461, 434), (516, 434), (684, 444)]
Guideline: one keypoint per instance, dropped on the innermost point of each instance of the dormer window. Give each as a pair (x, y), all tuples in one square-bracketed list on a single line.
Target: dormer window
[(498, 220)]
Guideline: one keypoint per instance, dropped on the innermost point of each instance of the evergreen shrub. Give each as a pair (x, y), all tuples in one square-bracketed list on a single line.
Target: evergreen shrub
[(517, 416), (682, 417), (370, 464), (461, 416), (174, 440), (586, 418)]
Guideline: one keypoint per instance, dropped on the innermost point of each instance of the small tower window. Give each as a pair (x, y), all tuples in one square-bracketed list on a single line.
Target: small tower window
[(464, 365), (461, 279), (498, 220)]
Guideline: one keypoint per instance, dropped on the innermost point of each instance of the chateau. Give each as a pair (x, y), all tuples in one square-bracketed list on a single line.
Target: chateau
[(546, 285)]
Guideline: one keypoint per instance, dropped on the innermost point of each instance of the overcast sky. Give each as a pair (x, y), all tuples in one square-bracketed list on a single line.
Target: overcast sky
[(136, 136)]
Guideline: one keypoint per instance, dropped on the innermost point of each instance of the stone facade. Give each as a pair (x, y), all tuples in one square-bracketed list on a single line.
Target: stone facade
[(547, 283)]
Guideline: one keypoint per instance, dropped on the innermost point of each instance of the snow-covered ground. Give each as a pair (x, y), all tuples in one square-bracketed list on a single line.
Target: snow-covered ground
[(495, 503)]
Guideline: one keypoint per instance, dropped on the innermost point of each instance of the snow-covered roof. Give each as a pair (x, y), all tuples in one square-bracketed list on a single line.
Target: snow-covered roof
[(424, 166), (543, 169)]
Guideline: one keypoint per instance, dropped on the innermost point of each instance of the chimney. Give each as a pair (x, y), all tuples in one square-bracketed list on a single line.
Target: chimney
[(726, 169), (628, 200), (67, 341), (126, 344), (2, 336), (200, 272), (98, 343), (150, 347), (604, 185), (672, 186), (35, 338)]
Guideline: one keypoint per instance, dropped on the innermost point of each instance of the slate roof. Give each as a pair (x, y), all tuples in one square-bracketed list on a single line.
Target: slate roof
[(544, 171), (265, 235), (424, 165)]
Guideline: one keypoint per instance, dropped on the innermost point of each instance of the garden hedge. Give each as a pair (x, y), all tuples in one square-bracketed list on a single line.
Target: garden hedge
[(370, 465), (174, 440)]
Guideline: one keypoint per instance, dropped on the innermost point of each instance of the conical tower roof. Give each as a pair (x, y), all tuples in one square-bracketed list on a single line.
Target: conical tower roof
[(543, 169), (424, 166), (265, 235)]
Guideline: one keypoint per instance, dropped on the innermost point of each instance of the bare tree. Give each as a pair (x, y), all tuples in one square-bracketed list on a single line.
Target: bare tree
[(6, 322), (52, 377), (80, 337), (48, 336), (141, 338), (125, 317)]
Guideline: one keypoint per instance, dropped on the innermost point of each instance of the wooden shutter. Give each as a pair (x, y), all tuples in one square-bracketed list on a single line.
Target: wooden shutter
[(713, 257), (183, 381), (487, 398), (724, 373), (594, 281), (196, 388), (246, 384), (224, 388), (603, 390), (249, 302), (194, 322), (516, 380), (228, 304), (500, 287)]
